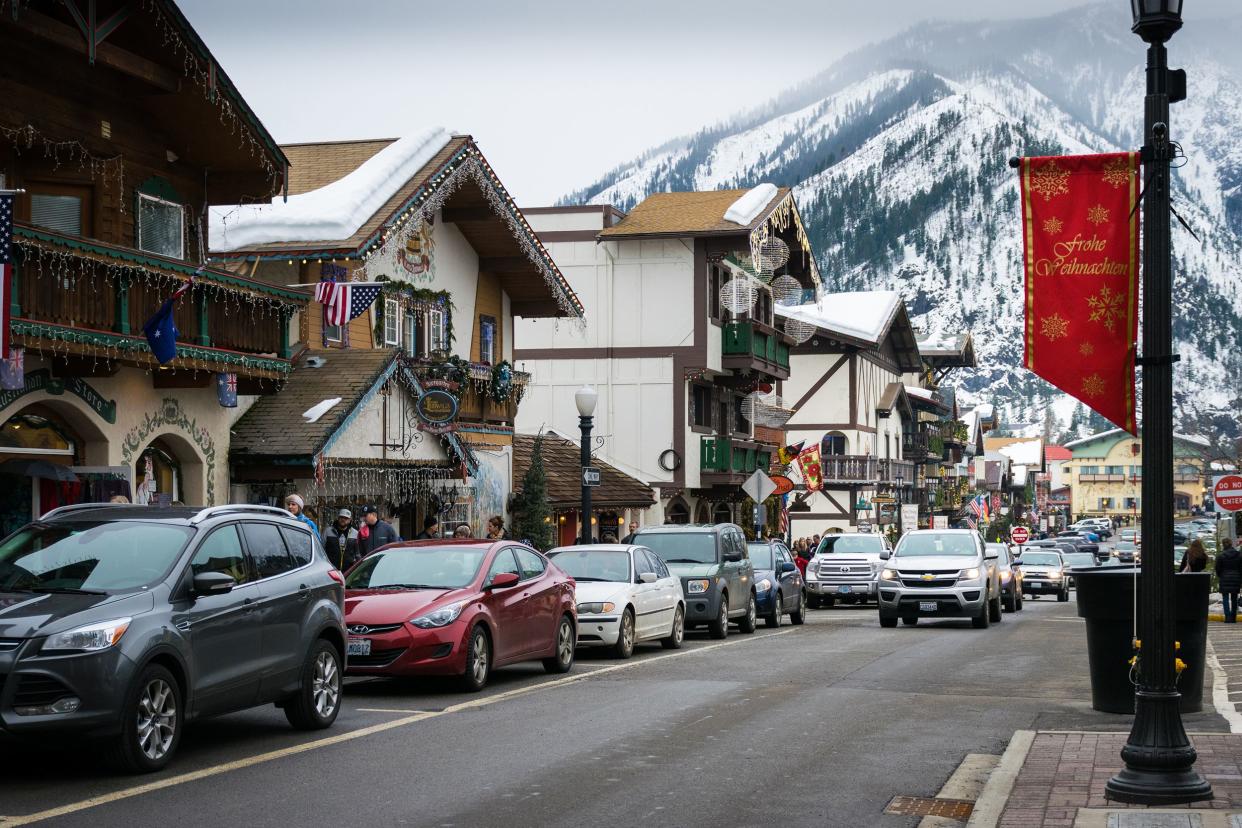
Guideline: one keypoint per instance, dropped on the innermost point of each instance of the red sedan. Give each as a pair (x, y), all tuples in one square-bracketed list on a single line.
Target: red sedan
[(460, 608)]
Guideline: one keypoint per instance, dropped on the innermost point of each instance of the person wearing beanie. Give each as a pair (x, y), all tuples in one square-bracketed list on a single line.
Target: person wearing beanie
[(294, 506)]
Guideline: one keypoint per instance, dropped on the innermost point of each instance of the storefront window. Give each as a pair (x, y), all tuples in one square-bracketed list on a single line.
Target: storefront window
[(32, 434), (157, 476)]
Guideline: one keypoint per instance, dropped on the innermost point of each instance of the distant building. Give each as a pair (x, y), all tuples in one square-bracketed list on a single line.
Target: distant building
[(1105, 474)]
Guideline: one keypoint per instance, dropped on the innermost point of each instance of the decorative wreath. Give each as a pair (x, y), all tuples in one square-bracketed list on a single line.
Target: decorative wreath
[(501, 384), (670, 460)]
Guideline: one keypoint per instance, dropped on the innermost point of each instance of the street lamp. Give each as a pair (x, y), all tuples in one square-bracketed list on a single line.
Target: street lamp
[(900, 480), (585, 398), (1159, 757)]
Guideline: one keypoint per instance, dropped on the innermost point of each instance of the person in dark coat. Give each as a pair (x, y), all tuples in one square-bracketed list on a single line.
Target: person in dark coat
[(1229, 575), (381, 532), (628, 539), (340, 541), (1195, 559), (431, 528)]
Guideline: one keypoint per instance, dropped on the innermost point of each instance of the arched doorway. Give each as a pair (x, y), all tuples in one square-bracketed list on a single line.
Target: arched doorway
[(168, 471), (702, 514), (678, 512), (722, 513)]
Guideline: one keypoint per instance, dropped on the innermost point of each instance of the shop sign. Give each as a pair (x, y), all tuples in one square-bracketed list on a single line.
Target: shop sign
[(436, 409), (42, 380)]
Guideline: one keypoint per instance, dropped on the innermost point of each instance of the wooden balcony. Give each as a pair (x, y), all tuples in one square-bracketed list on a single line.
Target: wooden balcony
[(730, 460), (1102, 478), (473, 387), (852, 468), (916, 445), (752, 346)]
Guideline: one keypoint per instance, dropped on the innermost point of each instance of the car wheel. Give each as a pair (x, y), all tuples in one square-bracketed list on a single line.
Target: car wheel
[(1020, 599), (1011, 603), (150, 723), (994, 610), (751, 619), (773, 619), (980, 621), (317, 701), (1063, 596), (720, 627), (798, 616), (624, 648), (478, 660), (888, 621), (910, 620), (566, 643), (678, 633)]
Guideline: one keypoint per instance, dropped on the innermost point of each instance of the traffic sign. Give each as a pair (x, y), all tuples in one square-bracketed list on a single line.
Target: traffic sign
[(1227, 492), (590, 476), (759, 486), (1019, 535)]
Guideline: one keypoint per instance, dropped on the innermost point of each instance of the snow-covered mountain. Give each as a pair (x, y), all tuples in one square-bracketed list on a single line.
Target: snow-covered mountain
[(898, 154)]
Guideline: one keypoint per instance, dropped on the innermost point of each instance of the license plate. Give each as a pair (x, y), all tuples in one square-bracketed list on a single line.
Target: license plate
[(845, 590), (928, 606), (359, 646)]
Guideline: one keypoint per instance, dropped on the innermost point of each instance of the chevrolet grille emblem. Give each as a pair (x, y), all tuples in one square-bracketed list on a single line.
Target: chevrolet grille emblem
[(927, 576)]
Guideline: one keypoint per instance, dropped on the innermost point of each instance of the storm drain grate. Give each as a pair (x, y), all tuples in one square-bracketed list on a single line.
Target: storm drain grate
[(958, 809)]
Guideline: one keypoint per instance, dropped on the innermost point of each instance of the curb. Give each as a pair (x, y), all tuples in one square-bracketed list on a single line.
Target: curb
[(995, 795), (1220, 691)]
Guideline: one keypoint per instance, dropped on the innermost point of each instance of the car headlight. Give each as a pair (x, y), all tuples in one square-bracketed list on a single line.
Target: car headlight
[(970, 574), (596, 608), (1006, 575), (1054, 576), (441, 617), (88, 639), (888, 575), (812, 571), (697, 587), (763, 586)]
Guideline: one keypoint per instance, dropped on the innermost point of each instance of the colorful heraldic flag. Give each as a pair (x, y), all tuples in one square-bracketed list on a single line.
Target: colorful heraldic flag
[(1081, 235), (812, 469), (788, 454), (6, 272), (226, 390)]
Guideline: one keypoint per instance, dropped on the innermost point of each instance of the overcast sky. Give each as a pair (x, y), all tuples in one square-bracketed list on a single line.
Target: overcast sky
[(555, 91)]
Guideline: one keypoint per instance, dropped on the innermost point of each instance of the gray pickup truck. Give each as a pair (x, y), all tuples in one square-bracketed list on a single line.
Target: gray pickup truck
[(845, 568), (940, 573)]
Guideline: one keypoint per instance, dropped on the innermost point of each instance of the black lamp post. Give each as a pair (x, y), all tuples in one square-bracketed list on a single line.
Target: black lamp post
[(585, 398), (1159, 757), (900, 482)]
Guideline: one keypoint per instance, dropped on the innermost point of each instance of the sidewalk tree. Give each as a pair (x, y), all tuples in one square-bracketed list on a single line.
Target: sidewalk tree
[(532, 521)]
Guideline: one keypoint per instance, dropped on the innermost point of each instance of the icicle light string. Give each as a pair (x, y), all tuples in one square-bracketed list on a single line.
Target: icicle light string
[(62, 152)]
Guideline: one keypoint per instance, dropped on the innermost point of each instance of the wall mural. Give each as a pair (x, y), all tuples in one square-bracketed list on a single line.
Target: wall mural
[(170, 414), (489, 492), (417, 255)]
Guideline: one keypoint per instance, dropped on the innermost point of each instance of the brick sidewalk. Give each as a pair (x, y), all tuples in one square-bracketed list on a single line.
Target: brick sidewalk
[(1064, 772)]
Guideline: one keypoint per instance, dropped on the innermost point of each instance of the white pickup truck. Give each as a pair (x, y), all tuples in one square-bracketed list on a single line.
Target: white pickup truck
[(845, 568)]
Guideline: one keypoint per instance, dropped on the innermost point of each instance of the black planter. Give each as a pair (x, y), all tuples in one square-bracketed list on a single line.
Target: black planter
[(1106, 602)]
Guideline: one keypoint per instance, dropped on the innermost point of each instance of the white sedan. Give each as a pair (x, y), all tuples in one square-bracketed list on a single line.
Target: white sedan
[(625, 595)]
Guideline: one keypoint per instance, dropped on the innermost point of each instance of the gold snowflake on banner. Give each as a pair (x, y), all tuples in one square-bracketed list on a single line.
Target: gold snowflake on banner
[(1053, 226), (1086, 349), (1094, 385), (1055, 327), (1050, 180), (1117, 173), (1107, 307), (1097, 215)]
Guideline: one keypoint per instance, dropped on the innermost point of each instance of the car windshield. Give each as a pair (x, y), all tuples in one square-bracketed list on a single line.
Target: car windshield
[(1080, 559), (760, 555), (830, 544), (90, 557), (1041, 559), (681, 547), (418, 567), (937, 544), (593, 564), (1126, 546)]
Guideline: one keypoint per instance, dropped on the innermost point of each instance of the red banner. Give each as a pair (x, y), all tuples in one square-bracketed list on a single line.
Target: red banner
[(1081, 236), (811, 466)]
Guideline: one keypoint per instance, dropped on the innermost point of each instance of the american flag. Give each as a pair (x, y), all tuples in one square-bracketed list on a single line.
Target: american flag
[(6, 269), (343, 301)]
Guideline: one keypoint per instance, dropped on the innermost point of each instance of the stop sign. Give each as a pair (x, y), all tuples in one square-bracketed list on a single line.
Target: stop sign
[(1020, 534), (1227, 492)]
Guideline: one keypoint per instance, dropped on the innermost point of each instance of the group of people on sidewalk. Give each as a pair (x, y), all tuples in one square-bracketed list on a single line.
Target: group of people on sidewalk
[(1228, 569)]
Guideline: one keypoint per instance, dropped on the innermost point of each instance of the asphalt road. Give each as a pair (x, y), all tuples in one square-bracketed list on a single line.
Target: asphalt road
[(815, 725)]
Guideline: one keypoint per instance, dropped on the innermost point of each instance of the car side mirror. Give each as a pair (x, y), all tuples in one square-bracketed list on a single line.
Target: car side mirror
[(885, 555), (787, 567), (503, 580), (213, 583), (647, 578), (990, 556), (731, 557)]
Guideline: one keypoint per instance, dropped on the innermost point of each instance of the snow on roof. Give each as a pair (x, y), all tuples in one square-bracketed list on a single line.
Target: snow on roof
[(333, 212), (1092, 437), (915, 391), (863, 315), (985, 410), (746, 209), (1197, 439), (1024, 452), (1019, 475), (317, 410)]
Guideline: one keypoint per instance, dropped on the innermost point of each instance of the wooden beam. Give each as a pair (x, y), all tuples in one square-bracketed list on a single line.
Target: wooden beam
[(505, 264), (459, 214), (114, 57)]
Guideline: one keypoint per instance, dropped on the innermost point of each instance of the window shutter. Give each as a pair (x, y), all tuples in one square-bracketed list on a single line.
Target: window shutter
[(62, 213)]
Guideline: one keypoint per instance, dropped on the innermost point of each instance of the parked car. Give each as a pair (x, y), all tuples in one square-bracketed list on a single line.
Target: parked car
[(1010, 576), (940, 573), (1178, 553), (1181, 535), (1077, 560), (1129, 534), (1043, 573), (625, 595), (845, 567), (126, 622), (716, 574), (778, 583), (458, 608)]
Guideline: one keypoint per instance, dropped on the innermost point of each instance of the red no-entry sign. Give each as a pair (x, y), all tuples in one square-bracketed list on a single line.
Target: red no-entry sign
[(1020, 534), (1227, 492)]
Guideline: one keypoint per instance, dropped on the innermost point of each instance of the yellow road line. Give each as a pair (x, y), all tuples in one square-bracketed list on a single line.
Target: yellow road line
[(329, 741)]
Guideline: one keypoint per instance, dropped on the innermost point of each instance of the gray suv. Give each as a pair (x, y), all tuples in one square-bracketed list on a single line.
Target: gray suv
[(717, 577), (125, 622), (940, 573)]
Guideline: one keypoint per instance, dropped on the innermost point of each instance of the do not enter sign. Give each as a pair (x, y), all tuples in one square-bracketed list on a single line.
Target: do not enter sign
[(1019, 535), (1227, 492)]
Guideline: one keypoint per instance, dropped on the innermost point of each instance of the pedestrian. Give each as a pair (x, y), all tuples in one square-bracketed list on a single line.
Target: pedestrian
[(633, 531), (1195, 559), (1229, 575), (295, 505), (801, 559), (340, 541), (431, 528), (462, 531), (496, 528), (608, 537), (118, 499), (381, 532)]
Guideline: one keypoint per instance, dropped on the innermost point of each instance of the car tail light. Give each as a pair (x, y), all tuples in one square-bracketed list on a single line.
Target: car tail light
[(335, 574)]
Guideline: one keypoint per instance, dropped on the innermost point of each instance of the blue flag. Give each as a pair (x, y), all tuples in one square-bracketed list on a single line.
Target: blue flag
[(162, 332), (226, 390)]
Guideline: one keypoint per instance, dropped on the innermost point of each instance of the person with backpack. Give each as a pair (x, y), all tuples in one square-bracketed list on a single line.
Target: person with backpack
[(1229, 576)]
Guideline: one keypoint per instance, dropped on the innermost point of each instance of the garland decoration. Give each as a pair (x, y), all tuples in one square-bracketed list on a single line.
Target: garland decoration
[(394, 482), (416, 299), (500, 388)]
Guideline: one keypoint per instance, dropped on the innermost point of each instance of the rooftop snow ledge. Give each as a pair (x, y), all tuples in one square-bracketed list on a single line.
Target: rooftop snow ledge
[(335, 211), (747, 208)]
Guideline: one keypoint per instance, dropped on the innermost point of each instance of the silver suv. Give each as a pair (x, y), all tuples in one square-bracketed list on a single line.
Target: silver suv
[(845, 568), (940, 573)]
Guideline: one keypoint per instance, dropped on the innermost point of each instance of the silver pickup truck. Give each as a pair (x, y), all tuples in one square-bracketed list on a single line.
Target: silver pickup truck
[(844, 568), (940, 573)]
